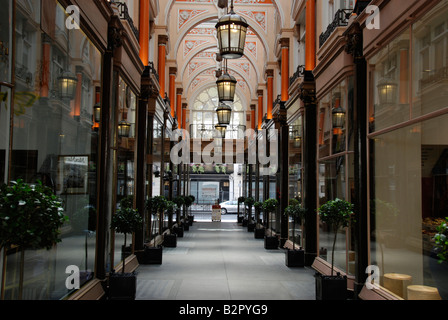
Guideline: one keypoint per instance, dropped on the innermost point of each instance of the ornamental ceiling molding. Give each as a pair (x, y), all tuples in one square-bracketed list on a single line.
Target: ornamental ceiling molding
[(184, 15), (211, 3), (259, 17), (212, 47), (189, 45)]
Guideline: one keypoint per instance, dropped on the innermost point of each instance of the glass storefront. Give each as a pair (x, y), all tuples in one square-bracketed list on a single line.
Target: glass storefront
[(408, 160), (335, 168), (125, 106), (54, 138)]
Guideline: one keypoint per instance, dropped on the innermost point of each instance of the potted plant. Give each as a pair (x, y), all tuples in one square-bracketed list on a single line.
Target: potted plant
[(30, 217), (170, 240), (126, 202), (249, 202), (123, 286), (270, 241), (336, 214), (439, 268), (295, 257), (259, 229), (240, 219), (153, 254), (179, 230)]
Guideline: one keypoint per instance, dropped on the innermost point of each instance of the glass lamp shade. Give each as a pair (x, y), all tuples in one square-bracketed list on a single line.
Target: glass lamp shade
[(338, 116), (124, 128), (387, 92), (97, 112), (226, 88), (222, 130), (224, 113), (298, 141), (231, 33), (67, 83)]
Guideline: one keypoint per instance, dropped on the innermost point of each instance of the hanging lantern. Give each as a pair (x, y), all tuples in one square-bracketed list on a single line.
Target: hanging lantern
[(67, 83), (124, 128), (222, 130), (231, 33), (387, 91), (97, 112), (224, 113), (226, 88), (338, 116)]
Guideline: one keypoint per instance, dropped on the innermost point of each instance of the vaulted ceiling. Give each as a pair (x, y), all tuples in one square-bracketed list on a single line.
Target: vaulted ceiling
[(192, 47)]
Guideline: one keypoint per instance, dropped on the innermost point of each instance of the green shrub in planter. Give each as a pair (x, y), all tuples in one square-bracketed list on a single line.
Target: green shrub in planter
[(269, 206), (337, 214), (295, 258), (126, 221), (439, 269), (30, 217), (124, 285)]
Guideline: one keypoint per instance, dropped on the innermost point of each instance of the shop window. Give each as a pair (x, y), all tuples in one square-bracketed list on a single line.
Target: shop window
[(430, 62), (52, 145), (390, 92)]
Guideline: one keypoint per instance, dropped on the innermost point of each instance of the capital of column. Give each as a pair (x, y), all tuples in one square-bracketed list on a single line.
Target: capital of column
[(173, 71), (184, 105), (284, 43), (252, 107), (179, 91), (270, 73), (163, 39), (260, 93)]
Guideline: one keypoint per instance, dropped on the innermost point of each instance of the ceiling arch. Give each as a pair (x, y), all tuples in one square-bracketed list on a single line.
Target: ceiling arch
[(244, 100), (196, 21), (198, 73), (198, 50)]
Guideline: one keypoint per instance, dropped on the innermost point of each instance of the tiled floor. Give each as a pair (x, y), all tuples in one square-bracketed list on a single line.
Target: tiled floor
[(222, 261)]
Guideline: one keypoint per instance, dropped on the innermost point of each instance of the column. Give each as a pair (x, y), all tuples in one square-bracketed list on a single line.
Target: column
[(184, 115), (284, 43), (354, 38), (141, 156), (46, 54), (307, 94), (171, 96), (104, 154), (179, 107), (144, 32), (163, 41), (252, 117), (310, 37), (78, 94), (270, 81), (260, 108)]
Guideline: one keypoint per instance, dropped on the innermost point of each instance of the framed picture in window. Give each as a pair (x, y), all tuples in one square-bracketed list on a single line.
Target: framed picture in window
[(73, 173)]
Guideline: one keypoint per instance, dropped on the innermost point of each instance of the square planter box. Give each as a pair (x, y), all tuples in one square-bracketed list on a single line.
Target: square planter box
[(122, 286), (330, 287), (259, 233), (186, 226), (179, 231), (190, 220), (244, 222), (151, 255), (251, 227), (271, 242), (295, 258), (240, 219), (170, 240)]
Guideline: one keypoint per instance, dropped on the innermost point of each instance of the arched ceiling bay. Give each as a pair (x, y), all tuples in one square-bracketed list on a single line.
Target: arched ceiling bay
[(193, 43)]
